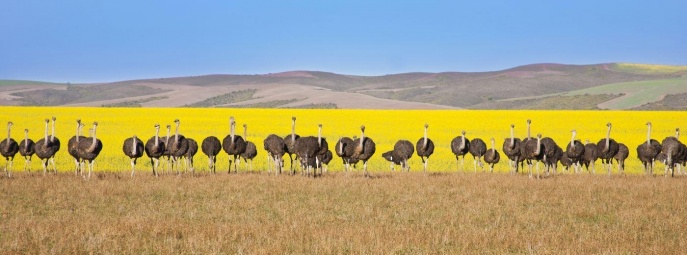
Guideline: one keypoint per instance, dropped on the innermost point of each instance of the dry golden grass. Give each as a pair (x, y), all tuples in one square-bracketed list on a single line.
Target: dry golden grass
[(407, 213)]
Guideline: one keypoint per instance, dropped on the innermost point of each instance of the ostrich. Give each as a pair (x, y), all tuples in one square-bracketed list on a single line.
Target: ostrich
[(73, 144), (45, 149), (325, 159), (364, 149), (607, 149), (344, 149), (492, 156), (310, 147), (166, 152), (574, 151), (460, 146), (275, 147), (673, 150), (26, 150), (647, 152), (566, 161), (477, 150), (511, 148), (133, 148), (532, 151), (154, 149), (233, 145), (89, 149), (425, 148), (591, 154), (211, 146), (190, 153), (623, 153), (8, 149), (251, 151), (403, 150), (551, 161), (290, 142), (177, 147)]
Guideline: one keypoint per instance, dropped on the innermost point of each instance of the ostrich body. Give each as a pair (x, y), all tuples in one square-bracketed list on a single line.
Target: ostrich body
[(8, 149), (566, 161), (424, 148), (364, 149), (511, 148), (623, 153), (395, 160), (73, 144), (275, 147), (133, 148), (325, 159), (533, 151), (477, 150), (591, 154), (290, 142), (673, 150), (26, 150), (460, 146), (647, 151), (190, 153), (154, 149), (89, 148), (574, 151), (166, 156), (46, 148), (177, 146), (607, 149), (492, 156), (211, 146), (403, 150), (551, 161), (344, 149), (233, 145), (310, 147), (251, 151)]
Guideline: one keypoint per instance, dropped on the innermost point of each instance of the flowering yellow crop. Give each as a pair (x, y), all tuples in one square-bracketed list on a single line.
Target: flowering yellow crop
[(385, 127)]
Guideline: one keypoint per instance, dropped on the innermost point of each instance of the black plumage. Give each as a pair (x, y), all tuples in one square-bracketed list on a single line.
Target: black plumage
[(46, 148), (673, 150), (403, 150), (511, 148), (424, 148), (251, 150), (73, 144), (89, 149), (190, 153), (607, 149), (275, 147), (460, 145), (26, 150), (133, 148), (491, 156), (647, 151), (8, 149), (574, 151), (477, 150), (591, 154), (233, 145), (178, 145), (290, 142), (344, 149), (533, 151), (155, 148), (364, 149), (211, 146), (309, 147), (623, 153)]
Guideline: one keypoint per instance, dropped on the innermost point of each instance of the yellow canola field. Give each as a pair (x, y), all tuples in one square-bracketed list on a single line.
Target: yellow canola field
[(385, 127)]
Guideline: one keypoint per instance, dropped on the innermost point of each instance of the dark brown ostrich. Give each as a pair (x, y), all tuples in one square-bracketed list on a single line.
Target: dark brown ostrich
[(647, 151), (154, 149), (492, 156), (190, 153), (233, 145), (673, 150), (308, 148), (211, 146), (178, 145), (344, 149), (607, 149), (364, 149), (89, 148), (460, 146), (73, 144), (403, 150), (533, 151), (275, 147), (324, 160), (424, 148), (166, 156), (477, 150), (251, 151), (45, 148), (574, 152), (290, 142), (8, 149), (26, 150), (551, 161), (566, 161), (591, 154), (511, 148), (623, 153), (133, 148)]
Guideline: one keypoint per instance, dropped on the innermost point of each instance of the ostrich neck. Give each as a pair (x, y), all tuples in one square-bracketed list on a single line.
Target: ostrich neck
[(362, 138), (245, 133), (26, 138), (319, 137), (293, 132), (133, 145), (176, 134), (157, 134), (340, 146), (538, 146), (52, 138), (648, 135), (45, 141), (572, 140), (167, 138), (528, 131), (424, 143), (8, 135), (94, 143), (231, 131), (462, 144), (608, 138), (492, 144), (78, 126), (512, 137)]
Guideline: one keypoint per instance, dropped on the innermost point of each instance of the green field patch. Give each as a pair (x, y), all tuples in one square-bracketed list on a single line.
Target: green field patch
[(636, 93)]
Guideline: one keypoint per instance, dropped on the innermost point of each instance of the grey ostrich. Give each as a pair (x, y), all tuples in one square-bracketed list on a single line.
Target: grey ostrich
[(424, 148), (154, 149), (46, 148), (8, 149), (26, 150), (233, 145), (211, 146), (492, 156), (290, 142), (403, 150), (133, 148), (177, 146), (251, 151), (623, 153), (364, 149), (673, 150), (511, 148), (533, 151), (73, 144), (566, 161), (647, 151), (275, 147), (344, 149), (324, 160), (551, 156), (607, 149), (591, 154), (310, 147), (89, 149), (574, 151), (190, 153), (460, 146), (477, 150)]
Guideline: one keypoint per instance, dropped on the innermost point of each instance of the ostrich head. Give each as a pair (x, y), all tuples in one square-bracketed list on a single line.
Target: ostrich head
[(319, 134), (512, 125), (78, 121), (529, 121), (362, 128), (53, 118), (9, 124), (586, 141), (463, 132)]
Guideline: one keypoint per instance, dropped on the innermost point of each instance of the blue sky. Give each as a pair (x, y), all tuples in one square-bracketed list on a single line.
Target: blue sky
[(98, 41)]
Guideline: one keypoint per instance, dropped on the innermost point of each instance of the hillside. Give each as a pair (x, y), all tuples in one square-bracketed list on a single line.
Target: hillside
[(602, 86)]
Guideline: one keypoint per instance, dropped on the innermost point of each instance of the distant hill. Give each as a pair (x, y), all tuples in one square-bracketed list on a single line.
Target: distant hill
[(536, 86)]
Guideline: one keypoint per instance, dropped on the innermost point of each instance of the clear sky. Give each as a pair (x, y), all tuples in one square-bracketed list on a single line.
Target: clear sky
[(98, 41)]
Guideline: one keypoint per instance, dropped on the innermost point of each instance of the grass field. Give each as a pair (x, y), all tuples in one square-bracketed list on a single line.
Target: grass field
[(636, 93), (394, 213)]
